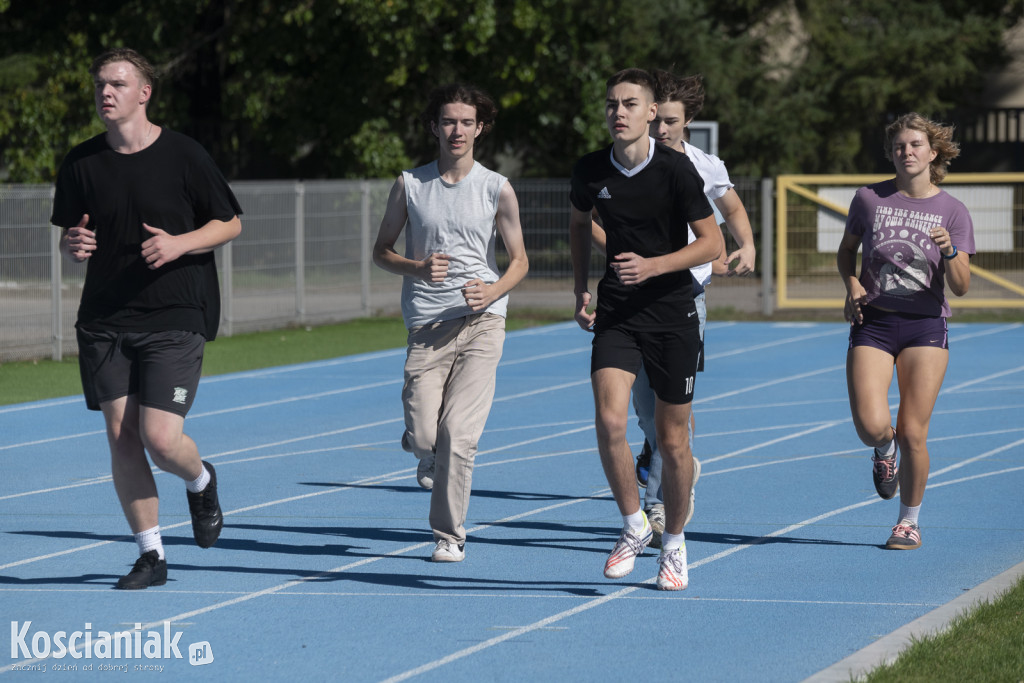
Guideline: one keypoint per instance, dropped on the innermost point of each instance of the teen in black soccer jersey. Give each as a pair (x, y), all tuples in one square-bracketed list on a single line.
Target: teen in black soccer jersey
[(645, 194), (144, 207)]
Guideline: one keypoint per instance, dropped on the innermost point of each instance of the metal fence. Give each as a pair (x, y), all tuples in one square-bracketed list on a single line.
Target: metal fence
[(811, 219), (303, 258)]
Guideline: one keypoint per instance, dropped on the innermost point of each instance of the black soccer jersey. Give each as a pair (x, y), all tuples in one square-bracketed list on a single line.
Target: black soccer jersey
[(645, 213), (173, 185)]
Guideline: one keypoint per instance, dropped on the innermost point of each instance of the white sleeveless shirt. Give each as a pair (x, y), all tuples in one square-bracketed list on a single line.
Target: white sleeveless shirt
[(456, 219)]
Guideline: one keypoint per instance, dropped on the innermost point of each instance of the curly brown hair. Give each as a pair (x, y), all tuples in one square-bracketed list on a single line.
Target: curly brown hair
[(940, 138), (486, 111)]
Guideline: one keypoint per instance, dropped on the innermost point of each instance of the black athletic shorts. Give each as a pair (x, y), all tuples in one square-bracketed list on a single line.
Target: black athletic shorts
[(161, 368), (669, 357)]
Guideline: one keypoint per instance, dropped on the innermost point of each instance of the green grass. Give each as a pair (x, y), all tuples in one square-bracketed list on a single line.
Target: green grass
[(986, 645), (26, 381)]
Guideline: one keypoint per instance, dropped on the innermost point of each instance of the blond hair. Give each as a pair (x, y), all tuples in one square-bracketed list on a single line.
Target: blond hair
[(940, 138)]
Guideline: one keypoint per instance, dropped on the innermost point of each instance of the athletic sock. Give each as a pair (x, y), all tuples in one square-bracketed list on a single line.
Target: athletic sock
[(150, 540), (200, 482), (888, 449), (909, 514), (634, 521), (672, 541)]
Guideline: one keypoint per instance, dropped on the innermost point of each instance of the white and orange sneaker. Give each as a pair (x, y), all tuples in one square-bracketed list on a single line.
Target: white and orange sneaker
[(630, 544), (673, 574)]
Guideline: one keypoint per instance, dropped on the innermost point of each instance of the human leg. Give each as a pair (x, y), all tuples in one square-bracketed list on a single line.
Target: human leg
[(869, 372), (614, 364), (677, 462), (428, 362), (468, 396), (643, 406), (611, 396), (920, 371), (169, 365), (137, 493), (611, 399), (130, 470)]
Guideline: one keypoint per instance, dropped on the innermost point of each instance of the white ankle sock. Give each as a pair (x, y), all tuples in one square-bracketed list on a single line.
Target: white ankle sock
[(909, 514), (634, 521), (200, 482), (672, 541), (150, 540), (887, 449)]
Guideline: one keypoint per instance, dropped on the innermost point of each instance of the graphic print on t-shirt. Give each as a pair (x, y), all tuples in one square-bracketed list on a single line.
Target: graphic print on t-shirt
[(901, 239)]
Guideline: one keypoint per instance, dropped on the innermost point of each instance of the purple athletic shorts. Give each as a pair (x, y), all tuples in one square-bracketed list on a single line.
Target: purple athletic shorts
[(892, 332)]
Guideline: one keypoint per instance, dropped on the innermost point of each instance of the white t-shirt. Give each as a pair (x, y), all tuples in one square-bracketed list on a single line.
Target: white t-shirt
[(716, 184)]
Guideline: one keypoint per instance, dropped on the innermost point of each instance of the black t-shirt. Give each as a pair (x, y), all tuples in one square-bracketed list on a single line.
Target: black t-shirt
[(173, 185), (645, 213)]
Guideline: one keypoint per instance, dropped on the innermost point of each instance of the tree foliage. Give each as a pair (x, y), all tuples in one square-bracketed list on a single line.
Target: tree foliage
[(333, 88)]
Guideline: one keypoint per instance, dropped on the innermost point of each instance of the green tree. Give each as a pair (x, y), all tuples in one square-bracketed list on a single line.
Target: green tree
[(333, 88)]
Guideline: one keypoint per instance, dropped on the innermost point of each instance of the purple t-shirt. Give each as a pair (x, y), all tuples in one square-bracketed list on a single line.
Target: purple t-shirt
[(901, 268)]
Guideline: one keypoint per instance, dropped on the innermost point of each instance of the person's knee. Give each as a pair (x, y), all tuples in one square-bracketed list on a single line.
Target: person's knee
[(610, 425), (162, 442), (874, 432), (420, 441), (911, 437), (673, 448), (123, 434)]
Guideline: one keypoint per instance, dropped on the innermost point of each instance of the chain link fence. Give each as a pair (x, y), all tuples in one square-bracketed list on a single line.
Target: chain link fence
[(303, 258)]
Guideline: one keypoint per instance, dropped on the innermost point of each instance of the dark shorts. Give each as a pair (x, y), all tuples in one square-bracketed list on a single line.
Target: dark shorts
[(161, 368), (669, 357), (892, 332)]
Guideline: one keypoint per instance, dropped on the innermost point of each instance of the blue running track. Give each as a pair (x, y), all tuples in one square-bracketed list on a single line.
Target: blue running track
[(323, 572)]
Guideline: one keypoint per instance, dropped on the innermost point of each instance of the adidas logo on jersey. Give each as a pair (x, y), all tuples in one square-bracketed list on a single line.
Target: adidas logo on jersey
[(604, 194)]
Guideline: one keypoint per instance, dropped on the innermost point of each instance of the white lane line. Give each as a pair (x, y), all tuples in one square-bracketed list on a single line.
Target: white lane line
[(772, 442), (431, 594), (968, 461), (555, 618), (778, 342), (542, 624), (770, 383), (358, 563), (986, 378), (397, 475)]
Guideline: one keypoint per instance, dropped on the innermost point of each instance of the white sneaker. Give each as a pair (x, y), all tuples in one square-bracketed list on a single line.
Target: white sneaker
[(693, 491), (425, 473), (446, 551), (624, 554), (673, 573)]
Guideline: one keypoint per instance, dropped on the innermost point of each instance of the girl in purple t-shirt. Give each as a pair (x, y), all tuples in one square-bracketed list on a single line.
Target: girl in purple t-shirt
[(915, 239)]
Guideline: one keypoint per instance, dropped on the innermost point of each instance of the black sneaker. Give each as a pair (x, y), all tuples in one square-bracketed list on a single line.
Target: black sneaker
[(643, 465), (885, 473), (207, 519), (149, 570)]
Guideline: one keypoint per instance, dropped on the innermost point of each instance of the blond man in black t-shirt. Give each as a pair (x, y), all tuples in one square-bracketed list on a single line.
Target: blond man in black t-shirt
[(144, 207)]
